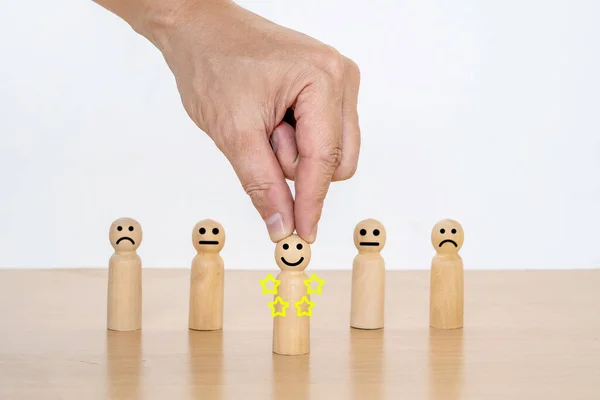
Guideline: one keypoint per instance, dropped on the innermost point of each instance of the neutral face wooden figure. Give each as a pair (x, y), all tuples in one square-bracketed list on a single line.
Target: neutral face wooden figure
[(446, 307), (368, 276), (291, 333), (124, 308), (207, 280)]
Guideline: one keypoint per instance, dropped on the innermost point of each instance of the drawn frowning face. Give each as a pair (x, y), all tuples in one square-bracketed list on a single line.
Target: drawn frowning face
[(125, 234), (447, 236)]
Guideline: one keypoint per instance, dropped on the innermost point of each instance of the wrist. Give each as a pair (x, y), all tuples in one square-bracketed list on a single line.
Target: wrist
[(159, 19)]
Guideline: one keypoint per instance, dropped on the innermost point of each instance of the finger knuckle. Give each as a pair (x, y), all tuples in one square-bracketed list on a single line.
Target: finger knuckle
[(332, 64), (331, 156)]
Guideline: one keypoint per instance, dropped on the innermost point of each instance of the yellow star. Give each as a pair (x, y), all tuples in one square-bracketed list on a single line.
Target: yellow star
[(314, 278), (270, 278), (304, 300), (279, 300)]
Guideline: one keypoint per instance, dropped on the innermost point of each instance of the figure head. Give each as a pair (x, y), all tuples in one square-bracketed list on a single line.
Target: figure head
[(447, 236), (125, 234), (292, 254), (369, 236), (208, 236)]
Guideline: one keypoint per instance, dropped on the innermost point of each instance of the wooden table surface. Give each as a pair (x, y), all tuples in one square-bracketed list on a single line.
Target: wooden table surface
[(527, 335)]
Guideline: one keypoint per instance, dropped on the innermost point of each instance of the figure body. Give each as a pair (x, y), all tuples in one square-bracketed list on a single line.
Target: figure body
[(124, 308), (368, 276), (446, 308), (291, 333), (207, 278)]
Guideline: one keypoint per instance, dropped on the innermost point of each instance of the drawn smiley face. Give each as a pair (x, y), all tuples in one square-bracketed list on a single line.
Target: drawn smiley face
[(125, 234), (369, 236), (208, 236), (292, 254), (447, 236)]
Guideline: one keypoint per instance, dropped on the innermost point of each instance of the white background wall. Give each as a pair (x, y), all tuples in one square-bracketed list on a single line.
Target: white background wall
[(486, 112)]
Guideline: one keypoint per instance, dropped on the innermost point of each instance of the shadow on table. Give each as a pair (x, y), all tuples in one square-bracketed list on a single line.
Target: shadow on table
[(446, 364), (123, 364)]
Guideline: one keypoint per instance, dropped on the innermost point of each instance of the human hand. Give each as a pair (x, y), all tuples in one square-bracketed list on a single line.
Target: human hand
[(238, 74)]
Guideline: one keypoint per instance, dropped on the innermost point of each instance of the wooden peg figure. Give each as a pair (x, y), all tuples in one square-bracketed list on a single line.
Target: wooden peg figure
[(207, 281), (446, 281), (368, 276), (291, 333), (124, 311)]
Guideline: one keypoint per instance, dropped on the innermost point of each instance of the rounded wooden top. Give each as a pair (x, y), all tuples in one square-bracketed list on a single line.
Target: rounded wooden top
[(369, 236), (208, 236), (447, 236), (125, 234), (292, 254)]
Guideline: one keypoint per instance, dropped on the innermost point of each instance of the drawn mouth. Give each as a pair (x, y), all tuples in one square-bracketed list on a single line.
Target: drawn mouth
[(292, 264), (126, 238), (448, 241), (208, 242), (369, 243)]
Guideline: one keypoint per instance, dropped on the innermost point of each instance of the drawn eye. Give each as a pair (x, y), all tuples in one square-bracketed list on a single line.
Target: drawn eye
[(215, 231), (119, 228), (363, 232), (286, 246), (299, 246), (130, 228), (453, 231), (442, 231), (376, 232), (202, 231)]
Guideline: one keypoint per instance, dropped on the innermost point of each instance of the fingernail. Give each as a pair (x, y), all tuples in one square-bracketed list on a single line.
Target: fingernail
[(313, 235), (275, 227), (273, 141)]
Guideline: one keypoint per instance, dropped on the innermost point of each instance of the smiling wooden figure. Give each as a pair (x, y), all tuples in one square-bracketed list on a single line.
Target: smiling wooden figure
[(446, 301), (124, 310), (291, 331), (368, 276), (207, 280)]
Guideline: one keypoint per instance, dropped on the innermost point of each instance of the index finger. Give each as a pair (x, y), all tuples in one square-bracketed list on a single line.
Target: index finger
[(318, 115)]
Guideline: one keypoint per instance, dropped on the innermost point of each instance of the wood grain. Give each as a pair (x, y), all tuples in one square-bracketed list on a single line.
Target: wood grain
[(527, 335)]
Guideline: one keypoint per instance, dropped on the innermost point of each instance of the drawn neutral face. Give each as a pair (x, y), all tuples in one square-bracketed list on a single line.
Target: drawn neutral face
[(208, 236), (125, 234), (292, 254), (447, 236), (369, 236)]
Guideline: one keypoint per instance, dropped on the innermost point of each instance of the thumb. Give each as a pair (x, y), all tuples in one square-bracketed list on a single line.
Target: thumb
[(260, 174)]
